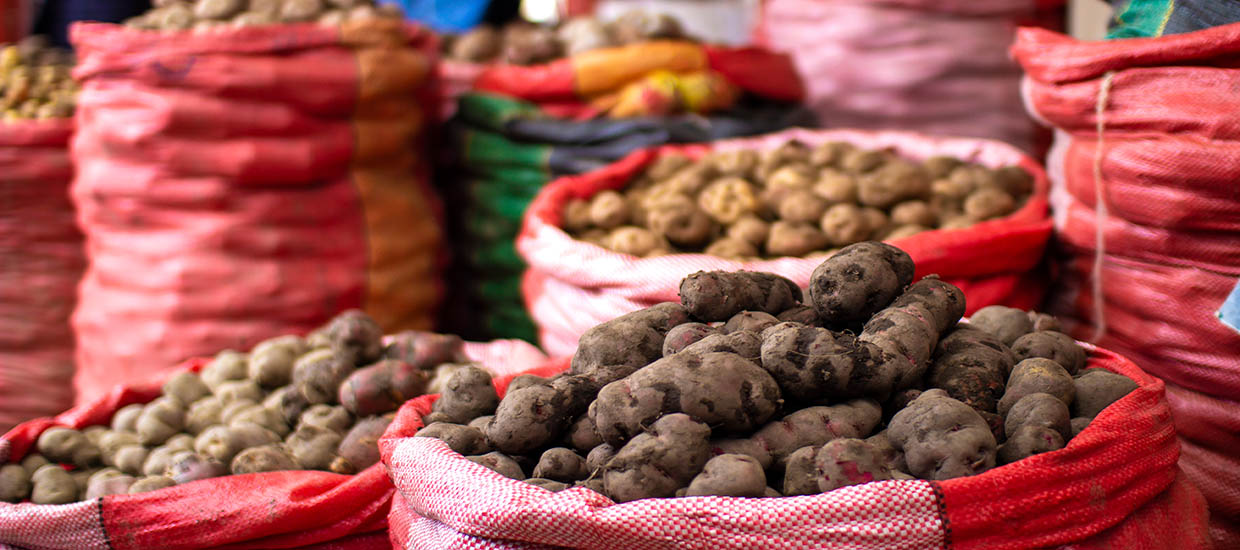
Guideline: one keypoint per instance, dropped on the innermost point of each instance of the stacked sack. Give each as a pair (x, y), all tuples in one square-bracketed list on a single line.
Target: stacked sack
[(933, 66), (862, 411), (228, 194), (531, 123), (41, 256), (973, 211), (184, 459), (1144, 169)]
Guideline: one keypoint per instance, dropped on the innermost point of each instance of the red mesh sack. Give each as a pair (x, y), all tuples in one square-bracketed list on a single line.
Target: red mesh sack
[(41, 261), (1114, 486), (934, 66), (1143, 168), (292, 509), (244, 183), (572, 285)]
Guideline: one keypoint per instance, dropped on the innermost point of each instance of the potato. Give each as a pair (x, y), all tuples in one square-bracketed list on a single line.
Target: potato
[(51, 484), (253, 19), (160, 420), (835, 187), (727, 200), (752, 321), (616, 348), (800, 472), (561, 464), (426, 350), (157, 460), (598, 457), (844, 224), (939, 167), (476, 46), (288, 402), (101, 486), (682, 336), (187, 466), (1039, 409), (527, 419), (313, 447), (271, 361), (582, 435), (732, 249), (576, 216), (1005, 323), (336, 419), (798, 314), (227, 365), (856, 282), (658, 461), (1043, 321), (976, 376), (829, 154), (203, 413), (1030, 440), (942, 438), (794, 239), (126, 419), (894, 182), (175, 17), (803, 206), (1055, 346), (222, 443), (849, 461), (359, 449), (232, 410), (775, 442), (721, 389), (33, 462), (265, 458), (739, 163), (1079, 424), (68, 446), (988, 203), (354, 336), (479, 423), (635, 241), (294, 11), (1037, 375), (548, 484), (686, 227), (112, 442), (892, 457), (151, 483), (130, 459), (468, 395), (1096, 389), (218, 9), (239, 390), (382, 387), (914, 212), (261, 416), (749, 229), (14, 483), (729, 475), (317, 375), (609, 210), (860, 161), (500, 463)]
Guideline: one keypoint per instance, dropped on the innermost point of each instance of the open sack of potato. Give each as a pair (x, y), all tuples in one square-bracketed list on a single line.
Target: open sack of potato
[(750, 415), (295, 421), (40, 244), (241, 181), (973, 211), (504, 150)]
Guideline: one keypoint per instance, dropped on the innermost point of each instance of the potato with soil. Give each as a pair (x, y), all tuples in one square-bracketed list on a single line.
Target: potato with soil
[(849, 461), (801, 473), (1055, 346), (265, 458), (227, 365), (744, 343), (729, 475), (658, 462), (845, 224), (355, 336), (160, 420), (336, 419), (500, 463), (616, 348), (942, 438), (1029, 440), (151, 483), (425, 350), (752, 321), (51, 484), (1039, 409), (188, 466), (794, 239), (271, 361), (859, 280), (582, 435), (682, 336), (1005, 323), (721, 389), (186, 387), (462, 439), (529, 418), (126, 419), (1096, 389), (222, 443), (318, 375), (561, 464), (360, 447), (719, 295), (313, 447), (1037, 375), (809, 363), (469, 394), (14, 483)]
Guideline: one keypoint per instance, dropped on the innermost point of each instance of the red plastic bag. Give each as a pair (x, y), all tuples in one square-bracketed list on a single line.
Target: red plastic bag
[(1114, 486), (293, 509), (572, 285), (245, 183), (934, 66), (1144, 171), (41, 261)]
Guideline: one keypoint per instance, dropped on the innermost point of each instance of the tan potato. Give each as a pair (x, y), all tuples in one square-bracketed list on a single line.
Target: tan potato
[(860, 161), (738, 163), (829, 154), (941, 166), (732, 248), (794, 239), (576, 217), (609, 210), (750, 229), (844, 224), (686, 227), (728, 200), (836, 187), (802, 206), (988, 203), (636, 241), (914, 212)]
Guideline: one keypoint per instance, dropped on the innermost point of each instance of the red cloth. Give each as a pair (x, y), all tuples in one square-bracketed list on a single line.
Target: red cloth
[(1114, 486)]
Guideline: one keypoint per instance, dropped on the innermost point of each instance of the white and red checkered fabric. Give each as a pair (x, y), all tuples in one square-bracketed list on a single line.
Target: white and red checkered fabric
[(572, 285)]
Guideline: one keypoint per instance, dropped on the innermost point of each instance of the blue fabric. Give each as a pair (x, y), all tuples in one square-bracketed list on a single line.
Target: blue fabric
[(449, 16), (1230, 312), (56, 15)]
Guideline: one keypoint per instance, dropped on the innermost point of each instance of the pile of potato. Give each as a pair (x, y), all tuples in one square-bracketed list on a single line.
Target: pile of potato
[(791, 201), (743, 390), (35, 81), (292, 403), (527, 44), (175, 15)]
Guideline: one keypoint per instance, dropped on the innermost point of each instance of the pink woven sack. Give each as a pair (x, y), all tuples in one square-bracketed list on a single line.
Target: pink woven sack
[(1115, 485), (41, 261), (1144, 170), (933, 66), (292, 509), (572, 285)]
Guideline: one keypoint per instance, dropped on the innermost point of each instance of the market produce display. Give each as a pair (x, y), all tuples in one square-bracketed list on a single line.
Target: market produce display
[(176, 15), (716, 395), (522, 43), (291, 403), (35, 81), (791, 200)]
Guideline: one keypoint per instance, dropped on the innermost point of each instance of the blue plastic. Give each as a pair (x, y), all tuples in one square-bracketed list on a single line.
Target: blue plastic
[(449, 16)]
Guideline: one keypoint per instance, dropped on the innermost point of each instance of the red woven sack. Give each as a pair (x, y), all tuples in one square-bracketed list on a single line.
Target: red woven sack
[(41, 261), (573, 285), (1114, 486), (1144, 168), (292, 509), (243, 183)]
